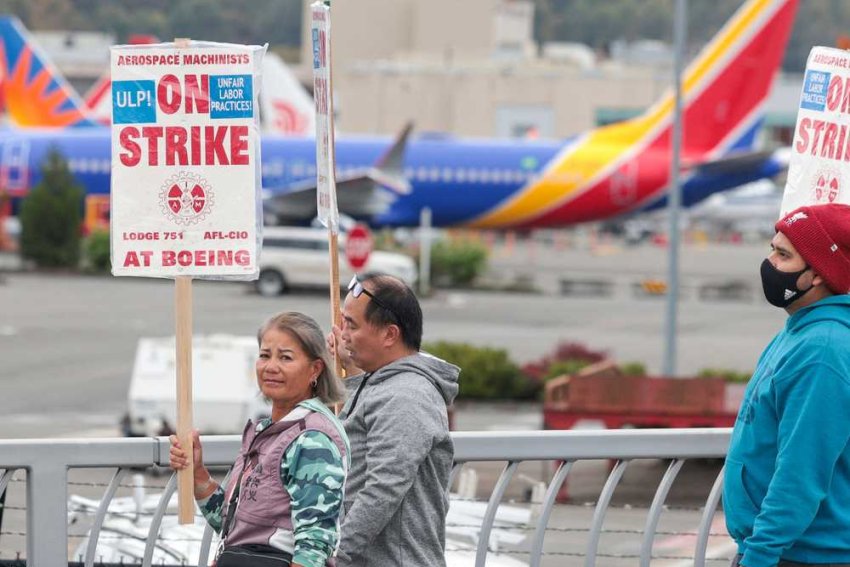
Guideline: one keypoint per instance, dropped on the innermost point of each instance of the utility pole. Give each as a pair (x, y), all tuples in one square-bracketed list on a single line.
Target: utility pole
[(675, 195)]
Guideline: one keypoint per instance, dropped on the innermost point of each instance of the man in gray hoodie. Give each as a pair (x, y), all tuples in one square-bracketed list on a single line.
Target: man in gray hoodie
[(396, 494)]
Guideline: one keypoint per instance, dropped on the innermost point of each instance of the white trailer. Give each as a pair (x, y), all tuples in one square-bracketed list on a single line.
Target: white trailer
[(224, 386)]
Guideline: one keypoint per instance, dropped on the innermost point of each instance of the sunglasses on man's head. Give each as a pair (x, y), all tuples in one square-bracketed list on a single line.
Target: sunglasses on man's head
[(355, 287)]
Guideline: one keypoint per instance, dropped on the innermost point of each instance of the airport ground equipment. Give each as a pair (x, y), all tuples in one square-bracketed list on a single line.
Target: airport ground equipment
[(224, 386), (601, 393)]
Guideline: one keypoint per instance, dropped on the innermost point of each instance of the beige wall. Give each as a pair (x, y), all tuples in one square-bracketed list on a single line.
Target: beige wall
[(465, 102), (453, 29), (443, 64), (364, 30)]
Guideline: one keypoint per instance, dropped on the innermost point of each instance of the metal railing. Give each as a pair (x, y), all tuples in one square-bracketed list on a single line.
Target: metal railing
[(47, 463)]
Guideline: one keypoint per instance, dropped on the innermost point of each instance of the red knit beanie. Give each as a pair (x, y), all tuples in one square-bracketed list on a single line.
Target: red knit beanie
[(821, 234)]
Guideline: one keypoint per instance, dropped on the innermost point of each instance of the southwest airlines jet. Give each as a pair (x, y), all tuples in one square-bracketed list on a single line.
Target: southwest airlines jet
[(613, 170)]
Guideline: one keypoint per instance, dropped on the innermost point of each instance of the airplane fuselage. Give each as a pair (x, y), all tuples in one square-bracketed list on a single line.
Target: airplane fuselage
[(461, 181)]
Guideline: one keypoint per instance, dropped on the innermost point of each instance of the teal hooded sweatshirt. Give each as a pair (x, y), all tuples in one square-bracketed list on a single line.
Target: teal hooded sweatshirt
[(786, 491)]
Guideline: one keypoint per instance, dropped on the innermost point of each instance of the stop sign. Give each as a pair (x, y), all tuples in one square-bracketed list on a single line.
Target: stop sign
[(358, 246)]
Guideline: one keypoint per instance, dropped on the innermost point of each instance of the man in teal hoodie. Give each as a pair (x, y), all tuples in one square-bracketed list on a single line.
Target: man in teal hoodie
[(786, 491)]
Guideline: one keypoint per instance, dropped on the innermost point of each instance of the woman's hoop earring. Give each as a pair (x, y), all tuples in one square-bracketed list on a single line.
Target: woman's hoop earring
[(315, 383)]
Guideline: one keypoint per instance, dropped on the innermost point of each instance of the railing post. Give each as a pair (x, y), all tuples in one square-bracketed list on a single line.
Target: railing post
[(47, 514)]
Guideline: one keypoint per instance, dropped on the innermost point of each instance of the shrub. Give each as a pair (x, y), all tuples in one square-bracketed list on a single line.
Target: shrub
[(457, 261), (97, 251), (561, 367), (726, 374), (567, 358), (486, 373), (51, 217), (633, 368)]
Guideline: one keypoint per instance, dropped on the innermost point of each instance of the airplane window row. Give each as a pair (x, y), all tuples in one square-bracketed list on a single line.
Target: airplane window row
[(89, 165), (297, 170), (300, 170), (273, 168), (471, 175)]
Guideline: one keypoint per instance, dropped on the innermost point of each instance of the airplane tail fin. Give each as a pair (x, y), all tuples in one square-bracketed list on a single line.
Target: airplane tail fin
[(726, 85), (287, 108), (98, 99), (620, 167), (34, 92)]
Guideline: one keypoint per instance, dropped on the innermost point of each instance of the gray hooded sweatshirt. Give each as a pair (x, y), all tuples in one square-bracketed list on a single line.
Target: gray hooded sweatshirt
[(396, 494)]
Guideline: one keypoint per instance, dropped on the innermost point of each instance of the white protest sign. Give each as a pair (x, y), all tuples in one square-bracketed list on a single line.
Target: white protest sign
[(185, 160), (819, 168), (323, 95)]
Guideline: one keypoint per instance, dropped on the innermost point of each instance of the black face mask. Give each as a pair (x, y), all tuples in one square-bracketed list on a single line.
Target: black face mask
[(780, 288)]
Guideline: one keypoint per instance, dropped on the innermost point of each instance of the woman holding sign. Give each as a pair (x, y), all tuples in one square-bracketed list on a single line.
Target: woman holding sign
[(283, 501)]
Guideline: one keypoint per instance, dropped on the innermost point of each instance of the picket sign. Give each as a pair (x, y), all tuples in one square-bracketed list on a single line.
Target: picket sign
[(185, 195), (326, 203), (819, 167)]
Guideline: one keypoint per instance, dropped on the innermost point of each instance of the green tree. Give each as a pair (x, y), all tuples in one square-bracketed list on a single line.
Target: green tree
[(598, 23), (51, 217), (97, 248)]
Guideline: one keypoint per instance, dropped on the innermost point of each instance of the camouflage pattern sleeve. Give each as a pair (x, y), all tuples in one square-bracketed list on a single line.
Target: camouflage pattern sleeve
[(313, 474), (212, 507)]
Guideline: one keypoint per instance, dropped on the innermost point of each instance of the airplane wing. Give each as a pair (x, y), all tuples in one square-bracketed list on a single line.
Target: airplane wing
[(361, 194)]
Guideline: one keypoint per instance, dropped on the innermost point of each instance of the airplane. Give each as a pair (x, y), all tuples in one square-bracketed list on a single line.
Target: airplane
[(610, 171)]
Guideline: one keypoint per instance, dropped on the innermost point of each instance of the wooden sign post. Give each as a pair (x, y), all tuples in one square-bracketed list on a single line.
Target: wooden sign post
[(183, 366), (185, 183), (183, 346)]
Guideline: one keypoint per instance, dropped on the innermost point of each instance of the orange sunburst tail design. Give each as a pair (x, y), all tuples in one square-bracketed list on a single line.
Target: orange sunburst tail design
[(34, 92)]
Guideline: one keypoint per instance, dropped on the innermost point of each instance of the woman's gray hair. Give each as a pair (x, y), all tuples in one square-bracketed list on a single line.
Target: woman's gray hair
[(306, 331)]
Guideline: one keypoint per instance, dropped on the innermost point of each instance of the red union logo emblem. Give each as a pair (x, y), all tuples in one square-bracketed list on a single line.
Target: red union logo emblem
[(186, 198), (175, 202), (199, 198), (826, 186)]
